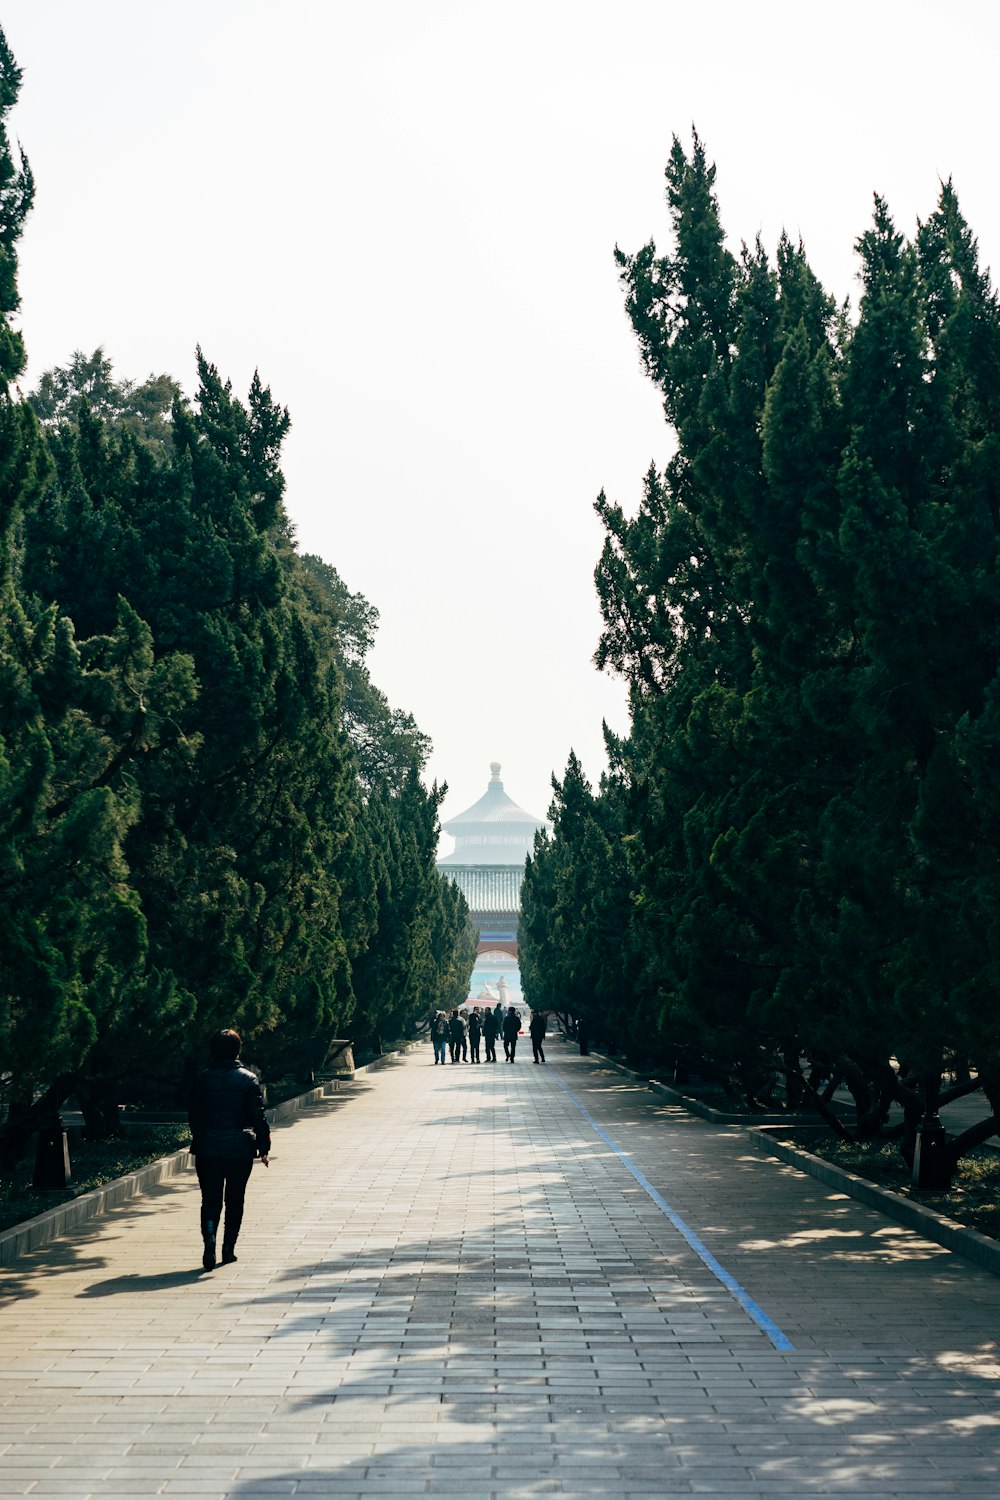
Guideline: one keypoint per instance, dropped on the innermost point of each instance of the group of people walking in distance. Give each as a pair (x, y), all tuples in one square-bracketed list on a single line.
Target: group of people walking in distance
[(461, 1034)]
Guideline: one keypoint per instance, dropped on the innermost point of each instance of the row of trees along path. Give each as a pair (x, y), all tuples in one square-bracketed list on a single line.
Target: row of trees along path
[(209, 815)]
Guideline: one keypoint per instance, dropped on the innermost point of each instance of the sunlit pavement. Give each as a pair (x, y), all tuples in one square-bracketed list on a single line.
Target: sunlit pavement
[(486, 1281)]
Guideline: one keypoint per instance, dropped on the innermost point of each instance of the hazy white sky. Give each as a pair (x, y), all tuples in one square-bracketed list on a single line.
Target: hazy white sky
[(403, 212)]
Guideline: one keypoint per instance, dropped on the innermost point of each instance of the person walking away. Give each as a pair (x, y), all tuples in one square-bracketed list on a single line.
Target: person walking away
[(463, 1016), (456, 1034), (475, 1035), (228, 1129), (490, 1030), (511, 1028), (536, 1030), (439, 1036)]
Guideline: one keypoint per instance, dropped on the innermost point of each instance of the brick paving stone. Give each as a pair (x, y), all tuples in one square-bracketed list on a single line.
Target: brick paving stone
[(450, 1283)]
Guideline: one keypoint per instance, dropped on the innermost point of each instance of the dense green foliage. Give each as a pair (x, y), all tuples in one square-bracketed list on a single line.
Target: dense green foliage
[(143, 408), (209, 815), (802, 829)]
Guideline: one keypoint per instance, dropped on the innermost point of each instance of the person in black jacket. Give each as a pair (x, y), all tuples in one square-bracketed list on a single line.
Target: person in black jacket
[(457, 1032), (228, 1129), (511, 1030), (475, 1034), (536, 1030), (491, 1027)]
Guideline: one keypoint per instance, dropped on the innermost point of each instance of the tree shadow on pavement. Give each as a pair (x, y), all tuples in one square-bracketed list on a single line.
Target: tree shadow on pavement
[(579, 1450)]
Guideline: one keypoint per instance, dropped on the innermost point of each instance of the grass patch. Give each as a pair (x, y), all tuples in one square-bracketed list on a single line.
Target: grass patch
[(973, 1200), (94, 1163)]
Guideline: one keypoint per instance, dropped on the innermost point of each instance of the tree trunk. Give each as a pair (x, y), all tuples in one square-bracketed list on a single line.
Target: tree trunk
[(15, 1134), (24, 1117), (99, 1104), (795, 1084)]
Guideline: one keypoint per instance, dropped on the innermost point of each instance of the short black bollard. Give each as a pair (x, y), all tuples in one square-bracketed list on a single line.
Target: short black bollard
[(931, 1166), (52, 1168)]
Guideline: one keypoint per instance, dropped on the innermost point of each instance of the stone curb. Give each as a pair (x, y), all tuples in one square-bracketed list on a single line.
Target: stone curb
[(387, 1057), (608, 1062), (721, 1117), (54, 1222), (695, 1106), (925, 1221)]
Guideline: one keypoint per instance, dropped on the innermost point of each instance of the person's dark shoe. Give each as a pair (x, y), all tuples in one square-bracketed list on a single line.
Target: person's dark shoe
[(228, 1255), (208, 1256)]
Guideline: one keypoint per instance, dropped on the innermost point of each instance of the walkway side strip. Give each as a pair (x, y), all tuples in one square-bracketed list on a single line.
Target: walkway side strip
[(749, 1306)]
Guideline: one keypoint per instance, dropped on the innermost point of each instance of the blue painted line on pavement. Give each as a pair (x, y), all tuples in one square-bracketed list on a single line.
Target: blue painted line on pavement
[(767, 1325)]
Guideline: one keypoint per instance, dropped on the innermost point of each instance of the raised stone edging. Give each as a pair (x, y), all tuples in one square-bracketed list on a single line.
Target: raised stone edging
[(387, 1057), (54, 1222), (696, 1106), (925, 1221), (722, 1117)]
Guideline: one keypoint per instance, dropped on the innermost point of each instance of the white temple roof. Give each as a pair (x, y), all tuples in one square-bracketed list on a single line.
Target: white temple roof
[(492, 808)]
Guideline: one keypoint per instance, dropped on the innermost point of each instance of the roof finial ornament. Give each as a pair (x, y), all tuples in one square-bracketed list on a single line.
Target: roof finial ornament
[(495, 769)]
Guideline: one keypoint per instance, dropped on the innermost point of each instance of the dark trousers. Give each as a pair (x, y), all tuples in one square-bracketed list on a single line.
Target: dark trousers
[(509, 1048), (536, 1048), (222, 1176), (491, 1048), (474, 1049)]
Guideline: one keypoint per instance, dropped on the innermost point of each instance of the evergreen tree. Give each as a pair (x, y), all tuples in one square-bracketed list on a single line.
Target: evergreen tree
[(87, 383), (209, 814), (386, 741), (420, 951), (575, 939), (72, 935), (804, 608)]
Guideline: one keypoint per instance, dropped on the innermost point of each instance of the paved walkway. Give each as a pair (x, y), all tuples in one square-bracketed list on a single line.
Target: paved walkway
[(491, 1282)]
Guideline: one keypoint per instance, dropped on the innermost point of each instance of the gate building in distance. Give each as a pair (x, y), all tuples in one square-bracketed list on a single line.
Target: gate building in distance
[(493, 838)]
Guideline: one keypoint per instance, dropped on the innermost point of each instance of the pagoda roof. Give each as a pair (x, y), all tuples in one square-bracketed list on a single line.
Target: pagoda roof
[(493, 807)]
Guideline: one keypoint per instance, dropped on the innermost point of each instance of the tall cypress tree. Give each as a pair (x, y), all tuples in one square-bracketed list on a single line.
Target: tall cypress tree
[(72, 936), (805, 610)]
